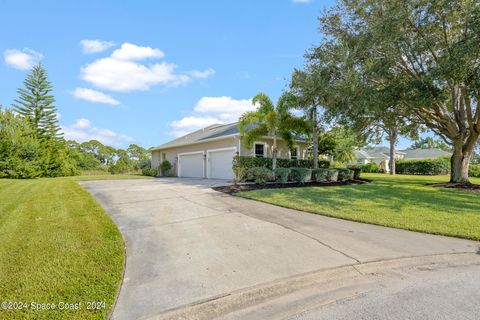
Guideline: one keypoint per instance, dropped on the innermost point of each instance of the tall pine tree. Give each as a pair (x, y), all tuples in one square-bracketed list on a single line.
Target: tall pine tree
[(36, 104)]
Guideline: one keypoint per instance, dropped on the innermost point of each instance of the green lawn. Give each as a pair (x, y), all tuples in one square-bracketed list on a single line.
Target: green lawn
[(57, 245), (401, 202)]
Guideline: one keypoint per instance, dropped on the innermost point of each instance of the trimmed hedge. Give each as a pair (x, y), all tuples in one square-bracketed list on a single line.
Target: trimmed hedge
[(259, 175), (332, 175), (320, 175), (428, 167), (300, 175), (282, 174), (147, 171), (371, 167), (474, 170), (345, 174), (241, 164), (357, 172)]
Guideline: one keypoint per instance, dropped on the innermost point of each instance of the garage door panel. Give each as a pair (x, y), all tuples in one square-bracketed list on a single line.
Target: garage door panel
[(220, 164), (191, 165)]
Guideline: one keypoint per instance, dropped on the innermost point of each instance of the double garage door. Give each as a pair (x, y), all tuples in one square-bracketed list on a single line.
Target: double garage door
[(218, 164)]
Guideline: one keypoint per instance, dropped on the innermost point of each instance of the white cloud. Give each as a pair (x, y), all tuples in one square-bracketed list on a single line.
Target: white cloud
[(131, 52), (122, 72), (201, 74), (210, 110), (95, 46), (94, 96), (84, 130), (22, 59)]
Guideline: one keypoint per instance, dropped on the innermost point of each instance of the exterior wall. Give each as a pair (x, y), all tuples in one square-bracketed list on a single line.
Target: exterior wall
[(283, 150), (171, 154)]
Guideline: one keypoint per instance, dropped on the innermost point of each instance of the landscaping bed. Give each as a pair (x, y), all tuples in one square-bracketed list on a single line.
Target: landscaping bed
[(231, 189), (466, 187)]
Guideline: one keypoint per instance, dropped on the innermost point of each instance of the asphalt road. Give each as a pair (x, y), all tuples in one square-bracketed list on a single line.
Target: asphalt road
[(445, 294)]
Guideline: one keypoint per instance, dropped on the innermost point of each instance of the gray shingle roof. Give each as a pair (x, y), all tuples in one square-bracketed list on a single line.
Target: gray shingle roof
[(409, 154), (211, 132), (425, 153)]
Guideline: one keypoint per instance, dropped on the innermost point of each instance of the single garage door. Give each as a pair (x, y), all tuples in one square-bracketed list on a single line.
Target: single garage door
[(220, 164), (190, 165)]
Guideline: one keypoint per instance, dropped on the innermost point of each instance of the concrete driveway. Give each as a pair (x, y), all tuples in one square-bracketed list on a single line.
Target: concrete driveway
[(193, 252)]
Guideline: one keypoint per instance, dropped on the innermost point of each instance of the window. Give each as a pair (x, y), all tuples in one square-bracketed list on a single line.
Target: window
[(294, 153), (259, 150), (164, 156)]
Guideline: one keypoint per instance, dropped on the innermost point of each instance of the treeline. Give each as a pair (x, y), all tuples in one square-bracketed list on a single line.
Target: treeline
[(31, 144)]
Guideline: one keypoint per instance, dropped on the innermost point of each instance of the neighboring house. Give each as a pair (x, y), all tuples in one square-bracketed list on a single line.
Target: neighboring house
[(381, 155), (208, 153)]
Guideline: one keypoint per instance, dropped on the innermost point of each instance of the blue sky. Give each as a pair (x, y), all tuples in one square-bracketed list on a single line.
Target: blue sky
[(146, 71)]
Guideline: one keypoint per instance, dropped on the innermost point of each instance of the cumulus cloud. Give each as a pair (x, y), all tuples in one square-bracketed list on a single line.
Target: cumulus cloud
[(95, 46), (122, 71), (131, 52), (84, 130), (22, 59), (94, 96), (211, 110)]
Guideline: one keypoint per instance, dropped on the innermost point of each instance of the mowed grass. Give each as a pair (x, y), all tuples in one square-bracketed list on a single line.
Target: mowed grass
[(57, 245), (401, 201)]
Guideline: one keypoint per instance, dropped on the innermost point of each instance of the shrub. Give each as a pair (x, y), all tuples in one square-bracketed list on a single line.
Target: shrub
[(344, 174), (320, 175), (260, 175), (357, 172), (371, 167), (165, 167), (423, 167), (152, 172), (118, 167), (146, 163), (474, 170), (241, 164), (282, 174), (300, 175), (332, 175)]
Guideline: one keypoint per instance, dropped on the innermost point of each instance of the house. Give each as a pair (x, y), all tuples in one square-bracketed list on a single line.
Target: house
[(208, 152), (381, 155)]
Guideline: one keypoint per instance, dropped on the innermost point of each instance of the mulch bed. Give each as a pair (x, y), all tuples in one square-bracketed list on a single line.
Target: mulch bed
[(249, 187), (467, 187)]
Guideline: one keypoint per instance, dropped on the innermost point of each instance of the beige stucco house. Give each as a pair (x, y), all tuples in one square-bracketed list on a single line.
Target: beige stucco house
[(208, 152)]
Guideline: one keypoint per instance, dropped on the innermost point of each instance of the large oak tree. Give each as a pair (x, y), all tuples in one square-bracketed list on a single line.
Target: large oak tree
[(427, 51)]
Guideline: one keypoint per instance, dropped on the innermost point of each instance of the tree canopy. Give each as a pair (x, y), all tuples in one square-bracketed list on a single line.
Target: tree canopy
[(422, 54)]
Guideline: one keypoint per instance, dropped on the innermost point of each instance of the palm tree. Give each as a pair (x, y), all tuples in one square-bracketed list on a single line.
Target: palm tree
[(271, 120)]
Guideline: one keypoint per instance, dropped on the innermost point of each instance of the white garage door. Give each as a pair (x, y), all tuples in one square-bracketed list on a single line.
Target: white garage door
[(190, 165), (220, 164)]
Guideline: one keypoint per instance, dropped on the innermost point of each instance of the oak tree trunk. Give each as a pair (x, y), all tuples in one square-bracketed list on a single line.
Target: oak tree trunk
[(392, 137), (315, 138), (459, 164)]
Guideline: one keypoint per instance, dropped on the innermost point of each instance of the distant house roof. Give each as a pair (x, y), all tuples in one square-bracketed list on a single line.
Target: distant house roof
[(432, 153), (408, 154), (214, 131), (361, 154)]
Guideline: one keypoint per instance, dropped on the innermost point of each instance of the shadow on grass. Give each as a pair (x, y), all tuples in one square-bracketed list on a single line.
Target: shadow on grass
[(384, 194)]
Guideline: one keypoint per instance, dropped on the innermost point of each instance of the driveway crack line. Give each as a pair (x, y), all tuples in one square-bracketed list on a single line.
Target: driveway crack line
[(308, 236)]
